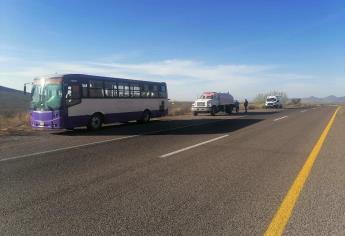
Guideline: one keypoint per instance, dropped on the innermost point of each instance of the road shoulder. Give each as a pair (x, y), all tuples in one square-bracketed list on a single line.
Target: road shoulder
[(320, 209)]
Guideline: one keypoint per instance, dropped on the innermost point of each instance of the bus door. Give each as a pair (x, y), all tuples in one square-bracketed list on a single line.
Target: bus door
[(73, 93), (162, 106), (162, 94)]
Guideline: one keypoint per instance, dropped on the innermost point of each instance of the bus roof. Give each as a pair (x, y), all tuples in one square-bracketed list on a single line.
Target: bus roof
[(86, 76)]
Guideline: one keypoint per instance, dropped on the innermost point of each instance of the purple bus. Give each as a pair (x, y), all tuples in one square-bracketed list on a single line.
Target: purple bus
[(75, 100)]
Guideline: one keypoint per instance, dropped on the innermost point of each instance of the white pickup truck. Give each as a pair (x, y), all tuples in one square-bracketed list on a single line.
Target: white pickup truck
[(213, 102)]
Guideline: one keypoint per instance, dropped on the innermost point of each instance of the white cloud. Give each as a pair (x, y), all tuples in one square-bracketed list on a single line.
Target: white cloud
[(7, 60), (186, 78)]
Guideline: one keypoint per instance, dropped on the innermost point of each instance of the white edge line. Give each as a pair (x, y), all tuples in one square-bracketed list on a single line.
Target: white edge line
[(303, 111), (280, 118), (66, 148), (193, 146), (106, 141)]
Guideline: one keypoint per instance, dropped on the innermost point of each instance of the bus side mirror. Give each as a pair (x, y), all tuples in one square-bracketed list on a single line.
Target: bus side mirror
[(24, 89)]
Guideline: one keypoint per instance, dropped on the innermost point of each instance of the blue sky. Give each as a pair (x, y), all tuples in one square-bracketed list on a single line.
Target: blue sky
[(245, 47)]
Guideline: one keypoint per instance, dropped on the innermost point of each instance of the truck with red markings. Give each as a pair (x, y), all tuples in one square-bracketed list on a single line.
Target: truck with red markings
[(214, 102)]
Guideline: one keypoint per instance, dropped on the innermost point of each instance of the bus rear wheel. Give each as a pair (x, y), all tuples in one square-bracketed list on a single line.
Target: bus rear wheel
[(95, 122), (145, 117)]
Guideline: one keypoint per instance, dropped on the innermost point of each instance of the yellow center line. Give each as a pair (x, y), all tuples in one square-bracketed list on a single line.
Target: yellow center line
[(285, 210)]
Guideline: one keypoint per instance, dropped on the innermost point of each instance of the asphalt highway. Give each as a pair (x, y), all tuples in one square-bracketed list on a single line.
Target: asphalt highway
[(222, 175)]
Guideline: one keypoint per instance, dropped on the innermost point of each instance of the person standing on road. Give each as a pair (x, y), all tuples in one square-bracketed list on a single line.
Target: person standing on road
[(245, 105)]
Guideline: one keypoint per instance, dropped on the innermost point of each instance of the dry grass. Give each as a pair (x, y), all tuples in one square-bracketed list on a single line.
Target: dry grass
[(255, 106), (19, 121), (179, 108)]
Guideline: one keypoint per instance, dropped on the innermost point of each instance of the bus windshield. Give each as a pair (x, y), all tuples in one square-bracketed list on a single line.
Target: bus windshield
[(47, 95)]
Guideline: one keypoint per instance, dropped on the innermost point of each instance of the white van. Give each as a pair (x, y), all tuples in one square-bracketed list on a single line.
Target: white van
[(274, 102)]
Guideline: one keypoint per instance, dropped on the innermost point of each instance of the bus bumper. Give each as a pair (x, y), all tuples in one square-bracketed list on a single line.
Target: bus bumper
[(46, 119)]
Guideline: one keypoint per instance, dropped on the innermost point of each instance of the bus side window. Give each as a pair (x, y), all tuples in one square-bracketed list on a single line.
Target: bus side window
[(162, 91), (126, 90), (110, 89), (154, 91), (84, 90), (73, 95), (135, 90), (96, 89), (145, 92), (123, 90)]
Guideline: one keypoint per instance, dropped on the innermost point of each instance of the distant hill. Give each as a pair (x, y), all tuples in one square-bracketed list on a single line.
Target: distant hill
[(326, 100), (13, 101), (9, 90)]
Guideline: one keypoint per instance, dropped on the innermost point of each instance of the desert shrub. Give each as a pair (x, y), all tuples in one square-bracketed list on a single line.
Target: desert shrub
[(252, 107), (179, 108), (295, 101)]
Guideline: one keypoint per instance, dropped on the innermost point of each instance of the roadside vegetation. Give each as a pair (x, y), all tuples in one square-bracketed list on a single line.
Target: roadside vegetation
[(14, 121), (259, 100), (177, 108)]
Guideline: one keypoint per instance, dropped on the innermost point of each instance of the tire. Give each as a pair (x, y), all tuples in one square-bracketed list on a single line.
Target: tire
[(145, 117), (95, 122), (231, 108), (228, 109), (214, 111), (195, 113)]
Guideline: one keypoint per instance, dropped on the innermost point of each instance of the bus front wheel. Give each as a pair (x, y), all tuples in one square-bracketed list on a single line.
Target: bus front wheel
[(145, 117), (95, 122)]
